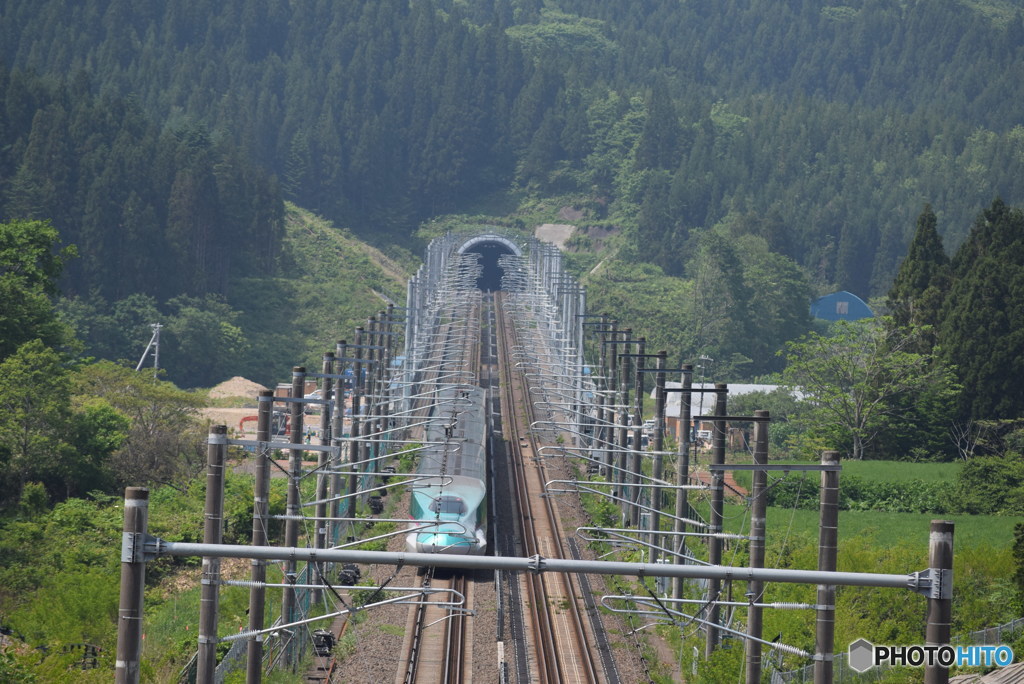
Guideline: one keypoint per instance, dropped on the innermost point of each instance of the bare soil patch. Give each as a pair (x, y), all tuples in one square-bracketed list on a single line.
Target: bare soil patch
[(236, 387), (555, 233)]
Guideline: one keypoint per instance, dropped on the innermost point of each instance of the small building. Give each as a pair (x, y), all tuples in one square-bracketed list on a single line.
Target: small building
[(703, 404), (284, 389), (841, 306)]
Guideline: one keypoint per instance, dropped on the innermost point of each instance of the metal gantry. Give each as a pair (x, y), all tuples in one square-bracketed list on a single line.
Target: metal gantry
[(586, 375)]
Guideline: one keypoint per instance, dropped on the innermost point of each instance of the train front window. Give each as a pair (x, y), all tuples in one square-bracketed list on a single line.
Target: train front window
[(448, 504)]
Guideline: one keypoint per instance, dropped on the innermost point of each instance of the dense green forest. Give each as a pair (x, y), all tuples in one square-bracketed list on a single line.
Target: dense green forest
[(833, 125), (745, 155)]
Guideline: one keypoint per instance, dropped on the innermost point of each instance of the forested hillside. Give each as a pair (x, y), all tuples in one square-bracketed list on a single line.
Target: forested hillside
[(218, 166), (825, 129)]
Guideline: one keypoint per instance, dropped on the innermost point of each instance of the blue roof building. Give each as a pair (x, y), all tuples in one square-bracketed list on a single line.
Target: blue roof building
[(841, 306)]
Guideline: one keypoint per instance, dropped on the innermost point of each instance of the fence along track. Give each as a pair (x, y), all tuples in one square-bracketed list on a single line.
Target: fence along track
[(561, 647)]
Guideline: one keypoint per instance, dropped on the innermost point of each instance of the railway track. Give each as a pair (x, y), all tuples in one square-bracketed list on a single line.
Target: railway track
[(549, 637), (559, 637), (439, 634), (438, 643)]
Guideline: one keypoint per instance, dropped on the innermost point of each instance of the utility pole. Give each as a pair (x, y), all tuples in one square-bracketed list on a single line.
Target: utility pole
[(758, 509), (682, 474), (213, 533), (258, 572), (828, 538), (940, 598), (337, 435), (133, 586), (293, 510), (322, 477), (715, 527), (659, 459), (356, 424), (154, 344), (636, 460)]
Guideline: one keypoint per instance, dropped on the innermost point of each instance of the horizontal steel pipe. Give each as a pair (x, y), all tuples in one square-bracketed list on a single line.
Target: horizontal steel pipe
[(540, 564)]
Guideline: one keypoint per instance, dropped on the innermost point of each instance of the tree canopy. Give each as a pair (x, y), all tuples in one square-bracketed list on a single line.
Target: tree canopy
[(982, 320), (30, 266), (863, 379)]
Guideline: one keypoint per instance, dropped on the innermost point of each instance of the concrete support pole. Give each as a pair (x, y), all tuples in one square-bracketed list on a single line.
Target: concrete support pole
[(659, 459), (293, 509), (579, 366), (940, 603), (356, 423), (636, 462), (758, 509), (322, 461), (366, 448), (337, 433), (258, 572), (622, 399), (410, 337), (213, 533), (610, 399), (133, 585), (682, 474), (715, 526), (828, 543), (389, 327), (621, 445), (635, 492)]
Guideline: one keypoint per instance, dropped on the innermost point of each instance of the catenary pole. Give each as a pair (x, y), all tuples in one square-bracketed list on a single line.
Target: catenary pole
[(355, 423), (337, 433), (828, 537), (717, 504), (682, 474), (258, 571), (213, 528), (293, 507), (758, 509), (940, 600), (659, 458), (322, 477), (133, 585)]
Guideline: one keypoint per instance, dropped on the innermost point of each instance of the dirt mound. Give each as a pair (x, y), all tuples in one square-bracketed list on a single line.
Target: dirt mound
[(236, 387)]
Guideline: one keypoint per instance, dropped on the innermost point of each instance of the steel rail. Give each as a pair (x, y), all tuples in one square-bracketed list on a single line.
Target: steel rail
[(577, 662)]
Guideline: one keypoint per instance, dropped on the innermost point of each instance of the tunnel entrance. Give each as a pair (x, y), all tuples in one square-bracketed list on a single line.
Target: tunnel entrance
[(490, 279), (490, 247)]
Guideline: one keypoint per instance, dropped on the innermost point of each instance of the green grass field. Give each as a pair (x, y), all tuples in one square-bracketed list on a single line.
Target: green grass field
[(884, 471), (890, 529), (883, 528), (898, 471)]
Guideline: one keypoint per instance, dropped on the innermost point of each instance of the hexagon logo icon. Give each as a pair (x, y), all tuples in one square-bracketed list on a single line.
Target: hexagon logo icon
[(861, 655)]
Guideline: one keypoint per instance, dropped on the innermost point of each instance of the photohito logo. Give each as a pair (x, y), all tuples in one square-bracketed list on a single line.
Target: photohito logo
[(863, 655)]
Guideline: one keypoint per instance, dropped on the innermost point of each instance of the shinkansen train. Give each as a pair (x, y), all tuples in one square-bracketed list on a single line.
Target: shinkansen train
[(449, 504)]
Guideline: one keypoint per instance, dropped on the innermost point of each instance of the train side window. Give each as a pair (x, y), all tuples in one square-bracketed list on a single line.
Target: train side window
[(448, 504)]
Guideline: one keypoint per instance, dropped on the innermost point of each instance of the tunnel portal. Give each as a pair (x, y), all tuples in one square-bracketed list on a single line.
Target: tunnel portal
[(490, 248)]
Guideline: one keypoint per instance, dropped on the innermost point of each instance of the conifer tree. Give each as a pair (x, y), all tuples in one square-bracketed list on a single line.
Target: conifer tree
[(659, 142), (923, 278), (982, 331)]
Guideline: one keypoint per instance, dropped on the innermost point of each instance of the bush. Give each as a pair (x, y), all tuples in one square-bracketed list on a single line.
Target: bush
[(991, 484), (860, 494)]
